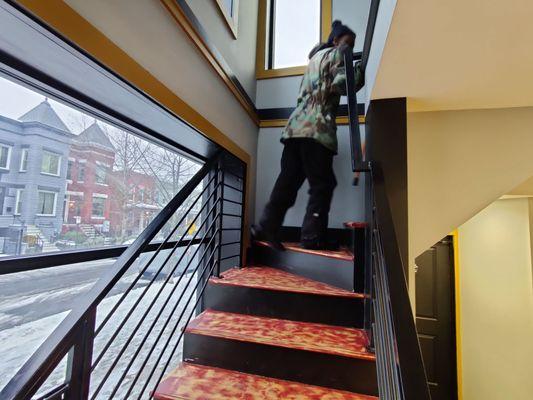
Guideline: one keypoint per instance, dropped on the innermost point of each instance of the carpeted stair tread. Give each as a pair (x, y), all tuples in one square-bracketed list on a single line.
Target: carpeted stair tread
[(268, 278), (197, 382), (348, 342), (341, 254), (355, 224)]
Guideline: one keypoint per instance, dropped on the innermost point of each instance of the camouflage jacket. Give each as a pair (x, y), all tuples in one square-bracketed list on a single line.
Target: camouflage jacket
[(323, 83)]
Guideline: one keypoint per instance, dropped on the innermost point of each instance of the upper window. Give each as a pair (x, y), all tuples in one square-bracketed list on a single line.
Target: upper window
[(288, 30), (51, 163), (70, 166), (100, 173), (295, 28), (24, 160), (5, 156), (81, 172)]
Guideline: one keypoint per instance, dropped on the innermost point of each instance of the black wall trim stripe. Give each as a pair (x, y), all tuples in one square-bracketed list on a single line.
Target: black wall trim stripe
[(267, 114)]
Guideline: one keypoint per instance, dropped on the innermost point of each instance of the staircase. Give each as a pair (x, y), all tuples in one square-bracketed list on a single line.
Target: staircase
[(287, 326), (32, 230), (88, 230)]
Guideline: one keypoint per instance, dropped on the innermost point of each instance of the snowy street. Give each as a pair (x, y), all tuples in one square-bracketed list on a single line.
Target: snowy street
[(33, 303)]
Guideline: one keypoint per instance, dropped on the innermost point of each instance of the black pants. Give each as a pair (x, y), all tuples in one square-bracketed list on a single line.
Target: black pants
[(302, 159)]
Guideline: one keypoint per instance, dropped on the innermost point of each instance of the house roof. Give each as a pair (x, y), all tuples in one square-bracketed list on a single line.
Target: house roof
[(95, 135), (44, 114)]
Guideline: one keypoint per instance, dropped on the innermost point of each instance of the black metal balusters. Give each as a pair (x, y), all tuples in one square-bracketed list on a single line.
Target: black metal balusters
[(135, 342)]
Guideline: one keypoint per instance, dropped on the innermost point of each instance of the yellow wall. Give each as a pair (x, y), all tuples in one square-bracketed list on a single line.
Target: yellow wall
[(497, 303), (459, 162)]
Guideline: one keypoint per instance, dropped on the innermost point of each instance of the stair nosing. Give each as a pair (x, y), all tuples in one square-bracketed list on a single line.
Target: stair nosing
[(350, 295), (351, 257), (359, 355), (185, 364)]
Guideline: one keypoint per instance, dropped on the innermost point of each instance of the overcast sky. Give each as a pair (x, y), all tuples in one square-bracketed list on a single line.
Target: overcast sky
[(16, 100), (295, 34)]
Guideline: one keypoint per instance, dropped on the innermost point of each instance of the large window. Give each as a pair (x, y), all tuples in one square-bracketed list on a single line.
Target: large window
[(295, 30), (5, 156), (103, 196), (51, 163), (46, 205)]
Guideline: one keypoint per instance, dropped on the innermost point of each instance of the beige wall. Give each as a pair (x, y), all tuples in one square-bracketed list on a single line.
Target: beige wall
[(497, 303), (239, 53), (459, 162), (146, 31)]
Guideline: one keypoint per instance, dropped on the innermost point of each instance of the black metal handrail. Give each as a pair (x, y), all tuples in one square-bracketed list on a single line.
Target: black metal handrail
[(388, 318), (353, 117), (400, 368), (127, 337)]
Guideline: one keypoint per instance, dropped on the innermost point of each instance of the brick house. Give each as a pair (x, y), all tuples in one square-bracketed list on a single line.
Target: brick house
[(90, 165)]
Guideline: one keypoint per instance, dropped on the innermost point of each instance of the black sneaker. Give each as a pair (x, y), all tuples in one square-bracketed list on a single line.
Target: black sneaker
[(270, 239)]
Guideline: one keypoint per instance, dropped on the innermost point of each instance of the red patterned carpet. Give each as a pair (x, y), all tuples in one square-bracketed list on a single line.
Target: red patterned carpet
[(342, 254), (195, 382), (354, 224), (320, 338), (275, 279)]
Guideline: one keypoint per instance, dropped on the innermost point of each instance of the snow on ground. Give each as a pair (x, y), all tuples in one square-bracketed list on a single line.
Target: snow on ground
[(18, 343)]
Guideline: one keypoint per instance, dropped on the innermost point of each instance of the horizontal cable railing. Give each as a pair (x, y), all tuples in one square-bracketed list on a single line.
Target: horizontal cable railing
[(119, 346)]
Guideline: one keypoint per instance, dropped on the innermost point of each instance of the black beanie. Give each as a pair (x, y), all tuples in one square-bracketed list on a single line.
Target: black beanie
[(338, 30)]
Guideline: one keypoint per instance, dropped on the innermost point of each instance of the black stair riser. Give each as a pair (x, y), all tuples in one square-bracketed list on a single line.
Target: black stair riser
[(331, 310), (333, 271), (327, 370)]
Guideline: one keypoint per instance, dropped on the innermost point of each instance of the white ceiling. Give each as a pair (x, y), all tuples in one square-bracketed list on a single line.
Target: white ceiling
[(459, 54)]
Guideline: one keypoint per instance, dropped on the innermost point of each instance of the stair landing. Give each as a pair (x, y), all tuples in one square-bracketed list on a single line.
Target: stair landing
[(268, 278), (196, 382), (347, 342)]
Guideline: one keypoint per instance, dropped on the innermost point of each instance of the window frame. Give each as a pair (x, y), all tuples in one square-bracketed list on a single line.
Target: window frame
[(265, 40), (54, 211), (24, 155), (9, 153), (232, 21), (99, 167), (59, 159), (18, 195), (82, 167), (102, 197), (71, 162)]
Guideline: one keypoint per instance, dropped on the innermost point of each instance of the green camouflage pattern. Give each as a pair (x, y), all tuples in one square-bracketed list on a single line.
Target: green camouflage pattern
[(323, 83)]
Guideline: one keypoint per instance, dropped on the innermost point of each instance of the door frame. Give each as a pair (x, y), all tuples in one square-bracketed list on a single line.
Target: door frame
[(458, 336)]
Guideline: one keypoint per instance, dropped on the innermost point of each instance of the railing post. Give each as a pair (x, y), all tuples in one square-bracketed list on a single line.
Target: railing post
[(242, 261), (221, 216), (80, 359)]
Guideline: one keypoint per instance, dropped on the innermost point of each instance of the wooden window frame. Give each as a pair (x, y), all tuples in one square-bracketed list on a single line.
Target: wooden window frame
[(264, 40), (231, 20)]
